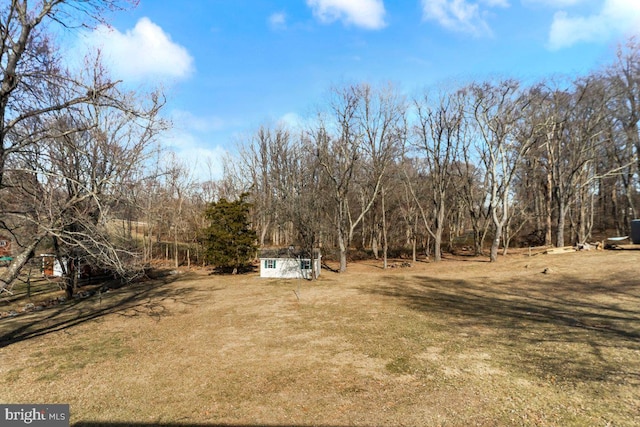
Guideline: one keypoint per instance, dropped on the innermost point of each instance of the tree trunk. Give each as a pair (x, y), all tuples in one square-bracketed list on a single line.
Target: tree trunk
[(547, 199), (71, 278), (615, 211), (437, 244), (175, 248), (414, 248), (437, 236), (314, 271), (582, 218), (427, 246), (343, 237), (374, 245), (385, 243), (499, 223), (343, 255), (13, 271), (562, 213), (495, 245), (477, 239), (506, 238), (263, 232)]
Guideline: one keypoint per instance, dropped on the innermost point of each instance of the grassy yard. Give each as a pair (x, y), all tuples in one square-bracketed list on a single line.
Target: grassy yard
[(459, 343)]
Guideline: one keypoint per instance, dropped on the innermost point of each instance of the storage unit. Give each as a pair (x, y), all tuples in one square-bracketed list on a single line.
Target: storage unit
[(288, 264), (635, 231), (5, 246)]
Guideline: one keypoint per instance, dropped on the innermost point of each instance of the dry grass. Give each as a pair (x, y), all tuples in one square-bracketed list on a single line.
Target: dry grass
[(459, 343)]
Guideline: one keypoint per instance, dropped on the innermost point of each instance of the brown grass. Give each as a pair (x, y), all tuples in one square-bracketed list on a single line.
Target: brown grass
[(459, 343)]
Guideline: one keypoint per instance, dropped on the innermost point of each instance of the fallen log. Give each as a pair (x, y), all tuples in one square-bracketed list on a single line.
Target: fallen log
[(562, 250)]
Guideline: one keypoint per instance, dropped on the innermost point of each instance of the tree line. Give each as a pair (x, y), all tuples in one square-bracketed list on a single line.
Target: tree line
[(493, 164)]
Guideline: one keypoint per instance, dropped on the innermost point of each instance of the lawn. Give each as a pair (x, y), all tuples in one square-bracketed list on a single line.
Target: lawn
[(459, 343)]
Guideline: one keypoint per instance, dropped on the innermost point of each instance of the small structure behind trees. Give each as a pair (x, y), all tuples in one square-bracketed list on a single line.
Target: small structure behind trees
[(5, 248)]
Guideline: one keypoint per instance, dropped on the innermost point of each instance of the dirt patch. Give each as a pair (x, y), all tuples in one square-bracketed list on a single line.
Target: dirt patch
[(462, 342)]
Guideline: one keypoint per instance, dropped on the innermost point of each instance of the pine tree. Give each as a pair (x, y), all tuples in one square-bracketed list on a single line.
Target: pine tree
[(229, 241)]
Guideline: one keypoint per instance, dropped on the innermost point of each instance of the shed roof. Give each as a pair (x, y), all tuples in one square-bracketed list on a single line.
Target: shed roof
[(286, 253)]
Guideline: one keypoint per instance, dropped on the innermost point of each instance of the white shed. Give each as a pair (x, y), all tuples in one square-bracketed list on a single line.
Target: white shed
[(51, 266), (288, 264)]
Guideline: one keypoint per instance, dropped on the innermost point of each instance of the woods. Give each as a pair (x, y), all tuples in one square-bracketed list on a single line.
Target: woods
[(545, 164), (373, 172)]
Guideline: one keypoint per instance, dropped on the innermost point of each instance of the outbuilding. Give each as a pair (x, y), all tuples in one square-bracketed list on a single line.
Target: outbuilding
[(51, 265), (5, 247), (288, 263)]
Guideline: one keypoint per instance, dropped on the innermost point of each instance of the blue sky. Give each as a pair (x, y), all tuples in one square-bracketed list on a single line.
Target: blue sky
[(228, 66)]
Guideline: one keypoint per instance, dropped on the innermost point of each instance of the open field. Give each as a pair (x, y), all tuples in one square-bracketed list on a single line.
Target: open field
[(460, 343)]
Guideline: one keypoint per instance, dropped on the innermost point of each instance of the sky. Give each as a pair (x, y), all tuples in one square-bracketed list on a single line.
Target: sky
[(229, 66)]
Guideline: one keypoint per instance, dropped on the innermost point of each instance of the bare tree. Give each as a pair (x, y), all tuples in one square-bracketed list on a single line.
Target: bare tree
[(78, 178), (571, 136), (408, 207), (302, 199), (497, 109), (439, 132), (178, 184), (623, 83), (624, 76), (257, 162), (470, 186), (364, 127), (43, 110), (31, 68)]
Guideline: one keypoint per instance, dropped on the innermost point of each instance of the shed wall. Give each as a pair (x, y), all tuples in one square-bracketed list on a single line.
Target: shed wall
[(286, 268)]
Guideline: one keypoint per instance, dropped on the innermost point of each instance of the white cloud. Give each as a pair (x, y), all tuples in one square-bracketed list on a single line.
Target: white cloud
[(193, 140), (142, 52), (291, 120), (461, 15), (186, 120), (616, 17), (554, 3), (496, 3), (367, 14), (278, 21), (204, 162)]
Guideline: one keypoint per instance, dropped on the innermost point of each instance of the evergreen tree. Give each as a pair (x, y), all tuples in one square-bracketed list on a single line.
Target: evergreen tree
[(229, 241)]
